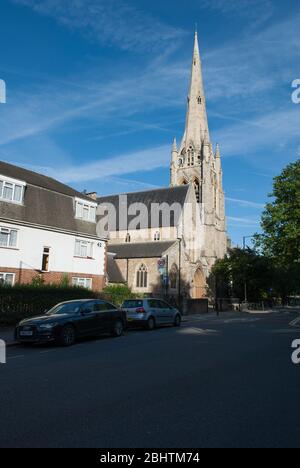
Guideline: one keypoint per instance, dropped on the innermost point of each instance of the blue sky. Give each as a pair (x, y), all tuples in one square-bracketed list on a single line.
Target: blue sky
[(96, 91)]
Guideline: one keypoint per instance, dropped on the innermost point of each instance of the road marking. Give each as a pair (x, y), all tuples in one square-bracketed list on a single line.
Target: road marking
[(16, 357), (295, 322)]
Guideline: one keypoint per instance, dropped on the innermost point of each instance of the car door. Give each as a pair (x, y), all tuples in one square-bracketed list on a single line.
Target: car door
[(107, 313), (161, 311), (87, 322), (168, 312), (156, 310), (151, 310)]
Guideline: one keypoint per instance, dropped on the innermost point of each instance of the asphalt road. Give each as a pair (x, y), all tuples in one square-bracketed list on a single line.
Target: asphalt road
[(213, 383)]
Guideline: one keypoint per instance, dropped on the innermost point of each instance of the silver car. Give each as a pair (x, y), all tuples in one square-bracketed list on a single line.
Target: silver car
[(150, 313)]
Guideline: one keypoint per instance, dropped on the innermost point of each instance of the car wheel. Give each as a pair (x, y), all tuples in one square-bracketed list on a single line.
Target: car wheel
[(118, 329), (150, 324), (67, 335), (177, 321)]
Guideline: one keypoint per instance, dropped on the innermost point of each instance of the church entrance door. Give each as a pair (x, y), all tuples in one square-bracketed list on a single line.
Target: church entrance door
[(199, 290)]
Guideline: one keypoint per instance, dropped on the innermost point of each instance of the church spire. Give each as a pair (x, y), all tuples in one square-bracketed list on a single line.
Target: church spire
[(196, 129)]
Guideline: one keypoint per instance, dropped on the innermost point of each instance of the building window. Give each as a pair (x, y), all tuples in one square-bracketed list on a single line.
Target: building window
[(128, 238), (11, 191), (8, 238), (190, 158), (157, 236), (82, 282), (85, 211), (7, 279), (142, 277), (83, 249), (45, 261), (197, 190)]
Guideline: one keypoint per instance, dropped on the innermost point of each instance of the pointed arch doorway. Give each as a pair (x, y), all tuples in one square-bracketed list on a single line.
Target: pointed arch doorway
[(199, 285)]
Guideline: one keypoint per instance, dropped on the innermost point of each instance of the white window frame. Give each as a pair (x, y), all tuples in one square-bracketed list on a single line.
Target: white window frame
[(77, 280), (82, 245), (85, 210), (8, 230), (13, 184), (4, 275)]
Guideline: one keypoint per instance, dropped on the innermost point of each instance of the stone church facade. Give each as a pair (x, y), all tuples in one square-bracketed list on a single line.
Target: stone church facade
[(165, 241)]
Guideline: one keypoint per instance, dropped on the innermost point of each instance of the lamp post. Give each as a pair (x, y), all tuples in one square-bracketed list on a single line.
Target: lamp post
[(245, 282), (244, 241), (179, 270)]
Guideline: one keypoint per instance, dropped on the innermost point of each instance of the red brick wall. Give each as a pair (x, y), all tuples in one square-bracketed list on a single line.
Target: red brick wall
[(25, 276)]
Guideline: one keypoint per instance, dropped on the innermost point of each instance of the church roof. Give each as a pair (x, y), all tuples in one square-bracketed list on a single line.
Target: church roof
[(168, 195), (140, 249)]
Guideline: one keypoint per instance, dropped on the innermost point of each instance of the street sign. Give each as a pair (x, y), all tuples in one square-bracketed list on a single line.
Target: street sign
[(162, 266), (161, 262)]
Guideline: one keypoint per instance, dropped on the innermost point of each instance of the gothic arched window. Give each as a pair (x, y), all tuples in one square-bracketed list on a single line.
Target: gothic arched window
[(157, 236), (197, 189), (190, 158), (128, 238), (142, 277)]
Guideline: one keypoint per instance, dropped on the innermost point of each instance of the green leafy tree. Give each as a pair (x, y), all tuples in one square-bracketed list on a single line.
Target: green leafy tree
[(117, 294), (37, 281), (281, 219), (241, 267), (280, 240)]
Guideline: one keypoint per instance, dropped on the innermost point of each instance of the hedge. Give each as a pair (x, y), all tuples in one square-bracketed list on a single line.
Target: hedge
[(19, 302)]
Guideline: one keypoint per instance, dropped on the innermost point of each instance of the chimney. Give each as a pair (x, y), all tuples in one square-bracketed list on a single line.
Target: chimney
[(92, 195)]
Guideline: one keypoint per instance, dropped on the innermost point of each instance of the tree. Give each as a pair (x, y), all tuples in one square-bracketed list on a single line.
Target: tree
[(281, 219), (239, 267), (280, 240)]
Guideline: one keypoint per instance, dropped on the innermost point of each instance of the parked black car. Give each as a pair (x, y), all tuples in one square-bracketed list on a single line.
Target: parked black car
[(68, 321)]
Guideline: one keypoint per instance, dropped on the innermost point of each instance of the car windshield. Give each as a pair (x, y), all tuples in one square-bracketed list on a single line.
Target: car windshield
[(66, 308), (132, 304)]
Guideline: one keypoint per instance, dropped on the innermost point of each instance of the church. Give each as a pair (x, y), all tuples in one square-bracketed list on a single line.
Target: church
[(165, 241)]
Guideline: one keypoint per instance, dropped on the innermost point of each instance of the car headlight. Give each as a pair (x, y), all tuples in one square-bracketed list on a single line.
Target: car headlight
[(47, 326)]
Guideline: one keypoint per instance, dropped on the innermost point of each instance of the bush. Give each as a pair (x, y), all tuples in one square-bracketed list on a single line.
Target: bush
[(117, 294), (23, 301)]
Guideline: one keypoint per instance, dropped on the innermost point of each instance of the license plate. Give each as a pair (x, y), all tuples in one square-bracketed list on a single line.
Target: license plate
[(26, 333)]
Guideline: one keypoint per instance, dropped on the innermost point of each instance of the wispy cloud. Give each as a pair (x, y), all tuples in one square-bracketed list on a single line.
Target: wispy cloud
[(258, 10), (112, 22), (274, 131), (124, 164), (44, 107), (253, 65), (245, 203), (242, 222)]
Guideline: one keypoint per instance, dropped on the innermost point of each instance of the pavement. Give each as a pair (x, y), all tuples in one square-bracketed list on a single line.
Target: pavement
[(225, 381)]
